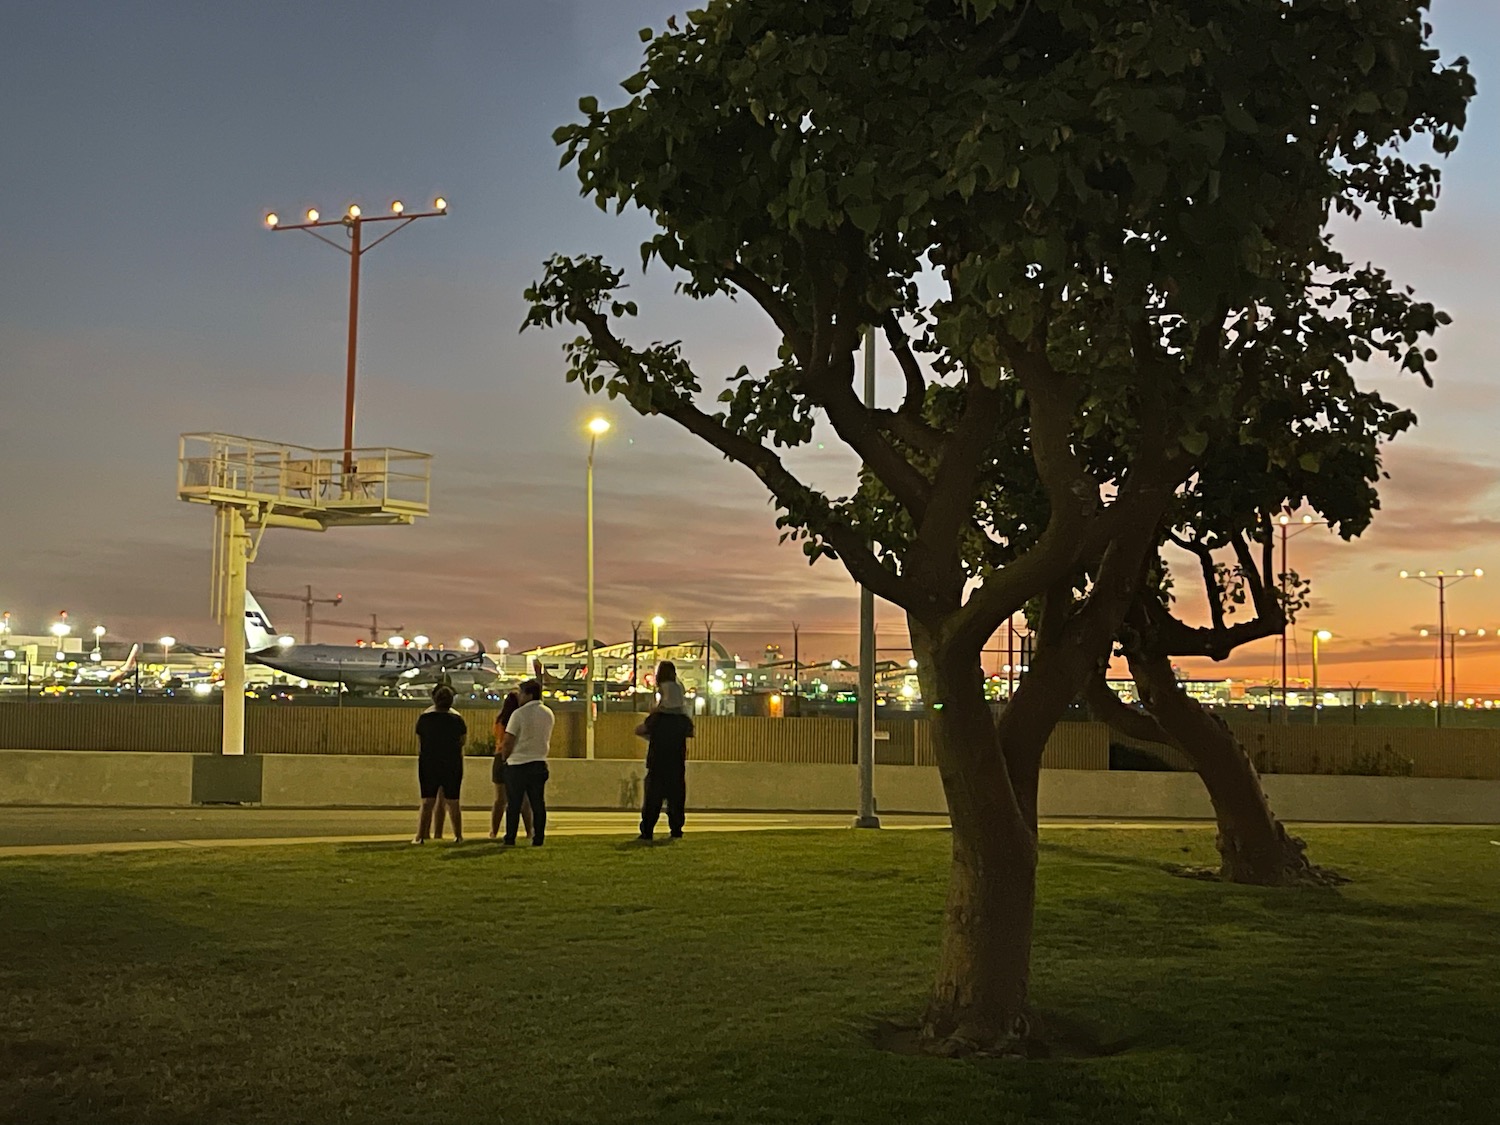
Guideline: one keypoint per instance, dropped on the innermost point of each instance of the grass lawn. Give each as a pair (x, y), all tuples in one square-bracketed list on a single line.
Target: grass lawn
[(736, 977)]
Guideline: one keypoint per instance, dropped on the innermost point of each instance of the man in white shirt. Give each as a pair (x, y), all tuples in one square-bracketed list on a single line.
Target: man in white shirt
[(528, 737)]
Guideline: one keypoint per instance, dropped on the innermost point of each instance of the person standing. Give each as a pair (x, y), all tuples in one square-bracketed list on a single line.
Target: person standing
[(508, 708), (528, 738), (441, 733), (666, 730)]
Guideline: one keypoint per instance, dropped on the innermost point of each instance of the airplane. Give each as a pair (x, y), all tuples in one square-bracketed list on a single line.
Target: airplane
[(354, 666)]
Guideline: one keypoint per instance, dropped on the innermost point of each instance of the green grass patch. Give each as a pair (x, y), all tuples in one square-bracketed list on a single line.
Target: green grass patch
[(736, 977)]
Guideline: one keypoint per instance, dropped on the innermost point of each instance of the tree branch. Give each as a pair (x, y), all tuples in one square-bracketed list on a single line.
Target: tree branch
[(1109, 708), (851, 548)]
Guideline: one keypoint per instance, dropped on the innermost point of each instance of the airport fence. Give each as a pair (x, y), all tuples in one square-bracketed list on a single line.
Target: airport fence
[(388, 730)]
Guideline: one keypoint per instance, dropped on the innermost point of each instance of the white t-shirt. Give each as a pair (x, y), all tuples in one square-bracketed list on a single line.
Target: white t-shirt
[(532, 726)]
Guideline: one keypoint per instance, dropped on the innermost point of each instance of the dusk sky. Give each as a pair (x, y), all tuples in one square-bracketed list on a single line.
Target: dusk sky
[(141, 297)]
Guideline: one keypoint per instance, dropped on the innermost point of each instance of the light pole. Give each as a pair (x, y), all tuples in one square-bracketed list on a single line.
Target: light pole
[(656, 623), (635, 664), (97, 655), (353, 222), (1440, 581), (1284, 522), (1453, 636), (166, 654), (1320, 635), (596, 427), (60, 629)]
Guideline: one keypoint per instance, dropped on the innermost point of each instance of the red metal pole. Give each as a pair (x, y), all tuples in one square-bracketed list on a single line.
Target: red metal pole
[(354, 249)]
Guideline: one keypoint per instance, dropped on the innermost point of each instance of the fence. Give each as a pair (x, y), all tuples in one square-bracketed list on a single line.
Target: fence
[(293, 729)]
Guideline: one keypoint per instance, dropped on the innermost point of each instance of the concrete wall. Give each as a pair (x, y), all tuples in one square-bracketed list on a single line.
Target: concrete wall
[(123, 779), (81, 777)]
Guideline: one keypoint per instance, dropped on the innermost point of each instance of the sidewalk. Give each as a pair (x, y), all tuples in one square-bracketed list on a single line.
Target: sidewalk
[(73, 831)]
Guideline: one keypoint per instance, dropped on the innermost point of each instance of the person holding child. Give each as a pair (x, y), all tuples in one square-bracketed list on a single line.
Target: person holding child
[(666, 729)]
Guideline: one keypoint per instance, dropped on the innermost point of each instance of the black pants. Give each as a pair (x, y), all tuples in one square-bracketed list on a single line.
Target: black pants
[(526, 780), (666, 780)]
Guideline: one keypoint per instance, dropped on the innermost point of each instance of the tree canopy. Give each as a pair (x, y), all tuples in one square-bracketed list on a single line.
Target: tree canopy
[(1094, 234)]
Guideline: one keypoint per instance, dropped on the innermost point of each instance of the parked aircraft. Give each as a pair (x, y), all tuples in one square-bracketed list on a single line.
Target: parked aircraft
[(356, 667)]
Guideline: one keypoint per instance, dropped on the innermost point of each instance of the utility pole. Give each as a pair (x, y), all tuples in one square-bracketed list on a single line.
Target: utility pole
[(308, 601), (353, 221)]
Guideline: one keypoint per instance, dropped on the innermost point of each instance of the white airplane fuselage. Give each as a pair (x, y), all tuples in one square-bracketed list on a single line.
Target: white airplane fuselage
[(356, 666)]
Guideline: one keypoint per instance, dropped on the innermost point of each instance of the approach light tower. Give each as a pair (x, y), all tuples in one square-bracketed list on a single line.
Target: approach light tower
[(353, 221), (253, 485)]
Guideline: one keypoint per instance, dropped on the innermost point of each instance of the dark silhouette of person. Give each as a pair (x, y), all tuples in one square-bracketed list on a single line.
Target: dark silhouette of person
[(440, 762), (666, 729)]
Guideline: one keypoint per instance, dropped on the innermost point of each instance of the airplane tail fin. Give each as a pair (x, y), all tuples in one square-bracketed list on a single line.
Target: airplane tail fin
[(259, 632), (127, 669)]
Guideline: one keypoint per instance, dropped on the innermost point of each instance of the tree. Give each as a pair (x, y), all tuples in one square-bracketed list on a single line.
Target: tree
[(1324, 452), (1116, 203)]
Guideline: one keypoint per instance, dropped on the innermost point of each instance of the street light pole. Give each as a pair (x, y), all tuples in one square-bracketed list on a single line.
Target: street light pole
[(865, 726), (1283, 521), (597, 426), (353, 222), (1441, 581), (1320, 635)]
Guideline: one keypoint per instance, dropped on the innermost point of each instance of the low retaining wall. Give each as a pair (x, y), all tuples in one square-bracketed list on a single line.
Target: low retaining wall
[(126, 779)]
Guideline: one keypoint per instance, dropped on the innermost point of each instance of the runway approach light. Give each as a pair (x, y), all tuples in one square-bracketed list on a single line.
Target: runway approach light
[(397, 207), (354, 211), (440, 204), (312, 214), (272, 219)]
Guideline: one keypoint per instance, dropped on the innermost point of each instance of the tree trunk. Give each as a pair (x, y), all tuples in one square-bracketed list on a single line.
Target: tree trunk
[(979, 1000), (1254, 846)]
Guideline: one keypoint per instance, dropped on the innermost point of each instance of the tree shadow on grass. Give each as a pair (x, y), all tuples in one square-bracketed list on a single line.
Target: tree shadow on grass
[(377, 846), (1112, 859)]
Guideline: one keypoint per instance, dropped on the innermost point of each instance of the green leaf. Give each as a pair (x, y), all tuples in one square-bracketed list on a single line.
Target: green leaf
[(646, 34), (1041, 174), (1195, 442), (588, 104), (1310, 462), (1368, 101), (636, 82)]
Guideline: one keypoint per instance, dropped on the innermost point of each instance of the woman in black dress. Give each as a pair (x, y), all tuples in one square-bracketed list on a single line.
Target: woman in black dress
[(441, 733)]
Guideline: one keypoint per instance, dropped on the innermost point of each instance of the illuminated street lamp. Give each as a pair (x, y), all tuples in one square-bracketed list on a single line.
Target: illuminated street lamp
[(396, 641), (421, 640), (466, 643), (1320, 635), (60, 629), (166, 651), (1440, 581), (1285, 522), (97, 655), (353, 221), (656, 623), (597, 427)]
